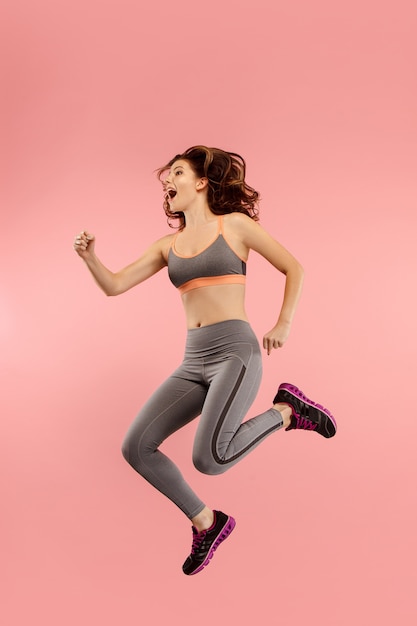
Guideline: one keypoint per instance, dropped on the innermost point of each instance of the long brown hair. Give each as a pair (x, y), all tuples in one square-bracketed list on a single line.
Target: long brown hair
[(227, 190)]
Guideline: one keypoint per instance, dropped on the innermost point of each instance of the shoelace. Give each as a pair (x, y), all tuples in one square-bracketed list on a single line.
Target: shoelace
[(197, 540)]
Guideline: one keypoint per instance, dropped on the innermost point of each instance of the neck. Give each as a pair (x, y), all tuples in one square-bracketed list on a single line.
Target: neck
[(198, 214)]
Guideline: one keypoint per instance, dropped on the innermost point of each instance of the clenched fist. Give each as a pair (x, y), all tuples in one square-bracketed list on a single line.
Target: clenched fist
[(84, 244)]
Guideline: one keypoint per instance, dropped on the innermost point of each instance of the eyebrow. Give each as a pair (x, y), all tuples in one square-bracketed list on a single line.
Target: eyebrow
[(178, 167)]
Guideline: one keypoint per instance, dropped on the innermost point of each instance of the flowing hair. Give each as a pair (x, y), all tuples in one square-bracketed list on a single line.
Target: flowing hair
[(227, 190)]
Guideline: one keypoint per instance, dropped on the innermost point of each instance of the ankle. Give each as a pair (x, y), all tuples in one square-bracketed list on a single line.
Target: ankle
[(286, 412), (203, 520)]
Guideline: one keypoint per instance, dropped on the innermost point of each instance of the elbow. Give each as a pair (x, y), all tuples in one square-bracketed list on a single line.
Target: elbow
[(114, 288), (300, 274), (112, 292), (109, 290), (296, 270)]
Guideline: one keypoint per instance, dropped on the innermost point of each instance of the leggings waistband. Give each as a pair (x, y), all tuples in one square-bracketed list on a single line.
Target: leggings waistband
[(219, 335)]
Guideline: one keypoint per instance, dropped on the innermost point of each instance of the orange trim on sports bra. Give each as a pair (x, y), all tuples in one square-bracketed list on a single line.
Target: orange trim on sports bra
[(220, 231), (207, 281), (227, 241), (190, 256)]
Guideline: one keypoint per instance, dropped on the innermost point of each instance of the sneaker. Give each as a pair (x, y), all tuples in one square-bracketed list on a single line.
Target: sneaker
[(206, 542), (307, 415)]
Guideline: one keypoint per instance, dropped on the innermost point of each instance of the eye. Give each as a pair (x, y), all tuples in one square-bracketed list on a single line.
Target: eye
[(178, 172)]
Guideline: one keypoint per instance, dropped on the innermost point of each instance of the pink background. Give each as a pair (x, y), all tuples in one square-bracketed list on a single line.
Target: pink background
[(320, 98)]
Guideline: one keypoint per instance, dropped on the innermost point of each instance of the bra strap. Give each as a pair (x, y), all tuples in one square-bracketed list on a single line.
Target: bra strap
[(174, 239)]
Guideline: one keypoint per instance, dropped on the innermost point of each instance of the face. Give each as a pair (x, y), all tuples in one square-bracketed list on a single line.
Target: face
[(181, 186)]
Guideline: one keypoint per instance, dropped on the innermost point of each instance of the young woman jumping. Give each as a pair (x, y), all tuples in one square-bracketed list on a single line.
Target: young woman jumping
[(205, 192)]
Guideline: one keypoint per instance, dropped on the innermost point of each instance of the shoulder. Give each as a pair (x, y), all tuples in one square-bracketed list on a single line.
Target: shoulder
[(239, 221), (166, 239), (242, 225), (163, 245), (160, 247), (249, 232), (242, 232)]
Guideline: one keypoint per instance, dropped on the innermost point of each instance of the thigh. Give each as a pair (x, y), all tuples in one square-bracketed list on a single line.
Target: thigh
[(233, 387), (175, 403)]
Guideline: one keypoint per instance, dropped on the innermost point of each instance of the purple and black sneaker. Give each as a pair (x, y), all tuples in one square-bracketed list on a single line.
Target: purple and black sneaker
[(206, 542), (307, 415)]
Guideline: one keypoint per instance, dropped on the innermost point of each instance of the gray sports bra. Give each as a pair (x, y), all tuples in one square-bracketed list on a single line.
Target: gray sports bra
[(217, 264)]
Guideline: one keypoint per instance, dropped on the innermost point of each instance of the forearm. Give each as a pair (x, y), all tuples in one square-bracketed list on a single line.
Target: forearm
[(104, 278), (293, 287)]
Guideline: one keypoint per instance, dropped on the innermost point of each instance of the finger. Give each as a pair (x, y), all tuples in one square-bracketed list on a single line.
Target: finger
[(83, 239), (79, 245)]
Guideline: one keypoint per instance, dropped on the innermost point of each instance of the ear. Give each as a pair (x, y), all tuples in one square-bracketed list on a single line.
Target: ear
[(202, 184)]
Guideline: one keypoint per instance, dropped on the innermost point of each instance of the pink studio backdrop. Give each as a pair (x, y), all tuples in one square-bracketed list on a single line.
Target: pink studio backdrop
[(320, 98)]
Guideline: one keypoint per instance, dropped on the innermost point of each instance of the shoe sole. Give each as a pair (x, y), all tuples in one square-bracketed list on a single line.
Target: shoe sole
[(223, 534), (297, 393)]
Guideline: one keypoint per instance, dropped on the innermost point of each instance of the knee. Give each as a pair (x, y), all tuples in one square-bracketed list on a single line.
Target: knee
[(126, 449), (137, 451), (206, 465), (131, 451)]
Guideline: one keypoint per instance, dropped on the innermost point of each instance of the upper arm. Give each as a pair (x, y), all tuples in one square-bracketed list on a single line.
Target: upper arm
[(254, 237), (148, 264)]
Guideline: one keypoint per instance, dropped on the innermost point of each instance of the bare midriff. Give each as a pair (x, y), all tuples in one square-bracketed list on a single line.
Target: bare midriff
[(217, 303)]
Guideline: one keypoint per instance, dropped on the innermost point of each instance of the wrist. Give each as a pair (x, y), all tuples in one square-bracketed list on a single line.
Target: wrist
[(284, 321), (90, 259)]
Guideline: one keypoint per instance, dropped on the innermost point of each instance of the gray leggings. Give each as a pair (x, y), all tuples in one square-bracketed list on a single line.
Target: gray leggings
[(218, 379)]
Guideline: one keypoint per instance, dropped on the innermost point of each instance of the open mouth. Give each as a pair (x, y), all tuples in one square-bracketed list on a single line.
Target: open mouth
[(170, 194)]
